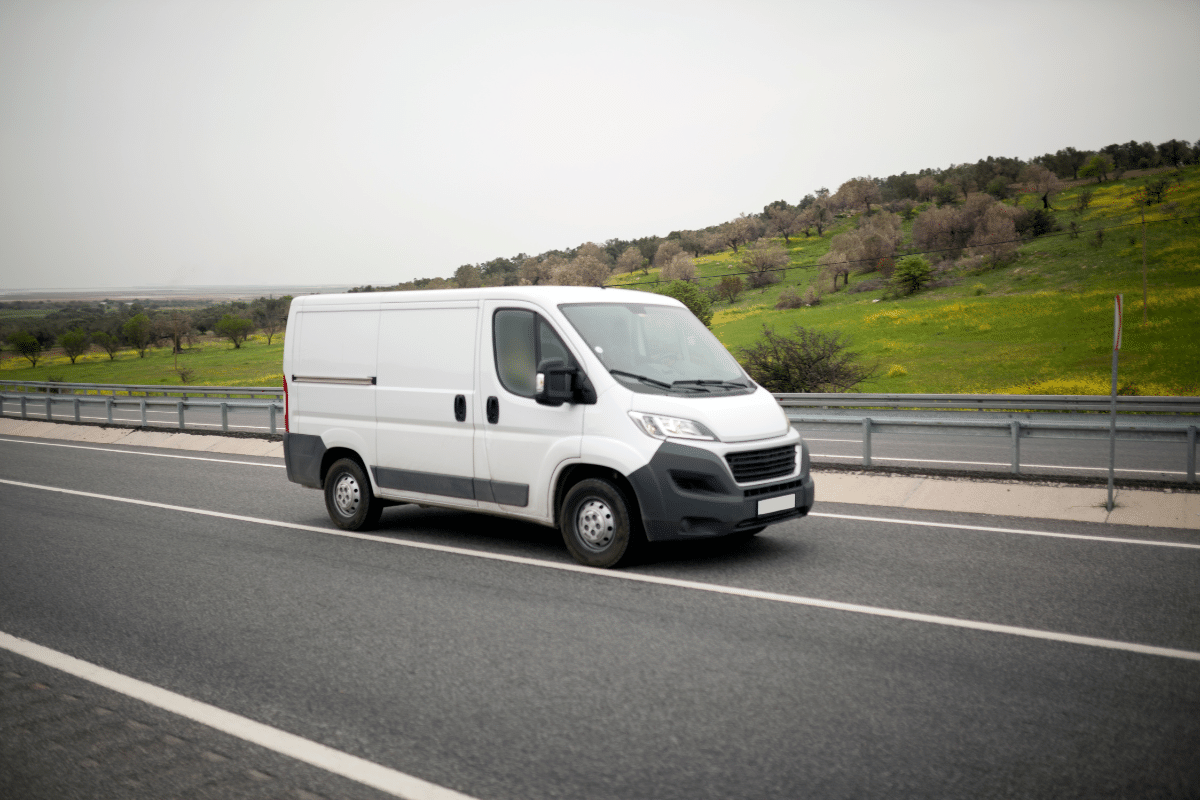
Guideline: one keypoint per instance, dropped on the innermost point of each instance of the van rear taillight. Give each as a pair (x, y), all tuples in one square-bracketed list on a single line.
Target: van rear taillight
[(286, 406)]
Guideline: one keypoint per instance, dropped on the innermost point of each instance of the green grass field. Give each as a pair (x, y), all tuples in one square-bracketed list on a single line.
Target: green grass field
[(1042, 325), (214, 362)]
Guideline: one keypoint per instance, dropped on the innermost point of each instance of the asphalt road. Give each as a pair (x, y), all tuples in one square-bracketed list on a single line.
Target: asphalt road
[(507, 678)]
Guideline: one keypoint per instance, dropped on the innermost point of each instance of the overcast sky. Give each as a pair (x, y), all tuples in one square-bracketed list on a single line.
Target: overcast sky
[(249, 142)]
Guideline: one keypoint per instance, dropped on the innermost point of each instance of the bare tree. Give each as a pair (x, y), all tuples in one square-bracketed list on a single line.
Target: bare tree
[(942, 231), (681, 267), (867, 248), (764, 258), (537, 271), (739, 231), (590, 267), (926, 184), (995, 234), (785, 221), (631, 260), (859, 193), (667, 251), (1042, 182)]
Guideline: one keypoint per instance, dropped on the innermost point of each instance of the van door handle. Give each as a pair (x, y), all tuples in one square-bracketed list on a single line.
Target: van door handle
[(460, 408), (493, 410)]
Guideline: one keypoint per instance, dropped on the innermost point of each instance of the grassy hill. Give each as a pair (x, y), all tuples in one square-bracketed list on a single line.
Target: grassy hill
[(1040, 325)]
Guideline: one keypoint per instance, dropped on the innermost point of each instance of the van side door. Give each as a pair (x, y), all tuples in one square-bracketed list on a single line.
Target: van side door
[(525, 442), (426, 408)]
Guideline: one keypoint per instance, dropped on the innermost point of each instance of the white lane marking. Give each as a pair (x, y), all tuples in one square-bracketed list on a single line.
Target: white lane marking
[(356, 769), (1021, 531), (997, 464), (140, 453), (712, 588)]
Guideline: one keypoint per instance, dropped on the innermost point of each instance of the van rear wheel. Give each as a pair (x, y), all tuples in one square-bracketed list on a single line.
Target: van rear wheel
[(348, 497), (595, 523)]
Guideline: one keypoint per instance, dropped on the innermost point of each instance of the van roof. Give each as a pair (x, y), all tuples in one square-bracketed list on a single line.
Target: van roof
[(543, 295)]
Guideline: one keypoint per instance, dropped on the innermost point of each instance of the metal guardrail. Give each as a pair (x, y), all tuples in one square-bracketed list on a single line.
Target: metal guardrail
[(144, 404), (1014, 429), (995, 402), (50, 394)]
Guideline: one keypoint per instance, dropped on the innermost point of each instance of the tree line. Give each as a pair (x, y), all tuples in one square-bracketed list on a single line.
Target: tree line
[(111, 326)]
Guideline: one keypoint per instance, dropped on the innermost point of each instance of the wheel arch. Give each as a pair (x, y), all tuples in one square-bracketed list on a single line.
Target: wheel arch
[(335, 454), (574, 473)]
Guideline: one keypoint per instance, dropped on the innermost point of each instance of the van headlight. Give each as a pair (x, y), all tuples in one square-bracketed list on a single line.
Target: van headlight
[(661, 427)]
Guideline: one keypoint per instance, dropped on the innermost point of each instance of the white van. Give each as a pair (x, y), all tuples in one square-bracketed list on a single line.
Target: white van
[(613, 415)]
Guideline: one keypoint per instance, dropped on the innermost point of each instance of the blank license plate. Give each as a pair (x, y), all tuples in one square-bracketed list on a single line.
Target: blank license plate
[(774, 504)]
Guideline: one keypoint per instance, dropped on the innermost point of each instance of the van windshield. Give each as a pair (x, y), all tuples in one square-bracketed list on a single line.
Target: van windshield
[(657, 349)]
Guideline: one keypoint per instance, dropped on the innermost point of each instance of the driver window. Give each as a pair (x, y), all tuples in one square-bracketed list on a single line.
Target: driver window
[(522, 340)]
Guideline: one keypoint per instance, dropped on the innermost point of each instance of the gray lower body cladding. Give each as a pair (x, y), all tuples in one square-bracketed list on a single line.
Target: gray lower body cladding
[(687, 493), (302, 454)]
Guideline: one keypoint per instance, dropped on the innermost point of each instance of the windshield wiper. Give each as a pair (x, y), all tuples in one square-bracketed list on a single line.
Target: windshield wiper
[(710, 382), (641, 378)]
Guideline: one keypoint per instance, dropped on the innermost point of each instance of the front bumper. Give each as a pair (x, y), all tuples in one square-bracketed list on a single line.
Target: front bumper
[(688, 492)]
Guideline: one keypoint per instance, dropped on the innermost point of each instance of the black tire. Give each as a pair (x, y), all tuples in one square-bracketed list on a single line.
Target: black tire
[(596, 525), (348, 497)]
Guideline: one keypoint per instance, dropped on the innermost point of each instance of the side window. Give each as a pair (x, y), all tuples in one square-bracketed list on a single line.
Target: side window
[(522, 339)]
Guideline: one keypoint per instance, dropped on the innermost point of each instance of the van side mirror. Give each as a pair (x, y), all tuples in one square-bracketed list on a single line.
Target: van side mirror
[(555, 382)]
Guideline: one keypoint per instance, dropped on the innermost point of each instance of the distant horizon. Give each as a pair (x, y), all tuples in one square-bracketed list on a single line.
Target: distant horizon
[(191, 290)]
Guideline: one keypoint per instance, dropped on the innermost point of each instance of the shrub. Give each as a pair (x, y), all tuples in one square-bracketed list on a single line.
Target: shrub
[(789, 299), (911, 274), (761, 280), (730, 287), (691, 296), (1033, 224), (806, 361)]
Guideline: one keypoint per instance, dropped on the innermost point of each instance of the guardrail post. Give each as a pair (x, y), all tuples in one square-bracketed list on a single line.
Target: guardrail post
[(49, 412), (24, 412), (142, 403), (75, 402), (224, 416), (108, 404), (866, 441), (179, 408), (1191, 459), (1016, 447), (272, 407)]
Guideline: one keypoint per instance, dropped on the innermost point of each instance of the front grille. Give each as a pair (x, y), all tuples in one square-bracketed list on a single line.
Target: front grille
[(762, 465)]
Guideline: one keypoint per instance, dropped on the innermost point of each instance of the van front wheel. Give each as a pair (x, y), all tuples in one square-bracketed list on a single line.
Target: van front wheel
[(348, 497), (595, 523)]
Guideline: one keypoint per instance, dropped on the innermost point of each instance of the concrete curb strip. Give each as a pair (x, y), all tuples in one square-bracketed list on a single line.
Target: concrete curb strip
[(1160, 509)]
